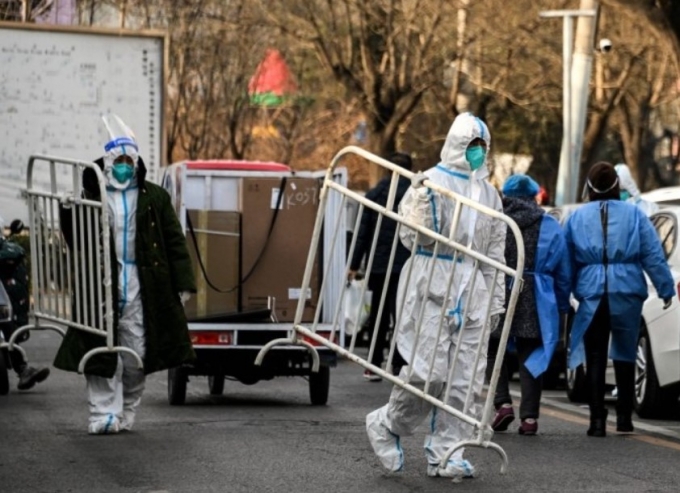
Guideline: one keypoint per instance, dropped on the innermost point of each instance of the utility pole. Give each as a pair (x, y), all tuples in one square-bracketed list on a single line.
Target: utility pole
[(575, 70), (581, 69), (461, 96)]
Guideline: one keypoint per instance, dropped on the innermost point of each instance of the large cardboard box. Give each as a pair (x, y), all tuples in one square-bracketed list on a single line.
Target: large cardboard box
[(275, 253), (218, 238)]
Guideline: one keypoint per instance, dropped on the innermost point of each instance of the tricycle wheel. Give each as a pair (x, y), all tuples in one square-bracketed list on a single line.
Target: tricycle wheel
[(4, 376), (318, 386), (177, 386), (216, 384)]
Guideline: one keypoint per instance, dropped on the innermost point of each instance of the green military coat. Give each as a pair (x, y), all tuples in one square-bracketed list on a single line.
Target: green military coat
[(165, 270)]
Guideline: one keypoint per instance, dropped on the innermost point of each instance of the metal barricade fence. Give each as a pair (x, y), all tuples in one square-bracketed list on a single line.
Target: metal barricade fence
[(71, 248), (305, 334)]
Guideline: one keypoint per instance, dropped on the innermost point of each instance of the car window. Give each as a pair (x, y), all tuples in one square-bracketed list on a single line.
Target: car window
[(666, 228)]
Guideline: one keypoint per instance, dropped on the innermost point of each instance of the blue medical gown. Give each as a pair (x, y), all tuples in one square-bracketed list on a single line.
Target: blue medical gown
[(552, 284), (632, 247)]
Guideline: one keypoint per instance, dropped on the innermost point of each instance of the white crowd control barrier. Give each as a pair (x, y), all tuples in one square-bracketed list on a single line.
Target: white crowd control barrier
[(71, 248), (422, 388)]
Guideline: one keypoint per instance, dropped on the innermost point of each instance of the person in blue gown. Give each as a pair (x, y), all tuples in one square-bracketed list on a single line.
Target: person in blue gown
[(611, 245), (535, 326)]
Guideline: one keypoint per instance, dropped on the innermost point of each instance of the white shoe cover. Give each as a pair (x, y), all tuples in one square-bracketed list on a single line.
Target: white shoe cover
[(386, 444), (455, 468), (128, 421), (105, 426)]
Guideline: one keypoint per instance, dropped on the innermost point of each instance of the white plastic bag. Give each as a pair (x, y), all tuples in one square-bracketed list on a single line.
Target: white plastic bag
[(357, 309)]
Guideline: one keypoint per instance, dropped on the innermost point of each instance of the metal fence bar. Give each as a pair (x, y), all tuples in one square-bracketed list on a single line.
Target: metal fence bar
[(91, 292), (99, 247)]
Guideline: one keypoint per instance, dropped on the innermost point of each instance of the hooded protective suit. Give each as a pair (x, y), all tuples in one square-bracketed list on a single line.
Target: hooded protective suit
[(113, 401), (628, 185), (404, 412)]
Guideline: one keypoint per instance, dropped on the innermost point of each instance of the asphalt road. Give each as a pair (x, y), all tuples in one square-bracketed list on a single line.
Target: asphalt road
[(267, 438)]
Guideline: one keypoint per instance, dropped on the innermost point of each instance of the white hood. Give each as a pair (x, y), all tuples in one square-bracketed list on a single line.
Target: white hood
[(122, 142), (465, 128), (626, 181)]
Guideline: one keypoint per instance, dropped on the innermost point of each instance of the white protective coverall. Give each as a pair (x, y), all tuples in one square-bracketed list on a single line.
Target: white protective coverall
[(404, 411), (113, 401), (627, 184)]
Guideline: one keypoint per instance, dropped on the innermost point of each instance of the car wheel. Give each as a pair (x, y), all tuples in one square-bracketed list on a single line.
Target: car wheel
[(177, 386), (577, 390), (4, 373), (216, 384), (651, 400), (319, 384)]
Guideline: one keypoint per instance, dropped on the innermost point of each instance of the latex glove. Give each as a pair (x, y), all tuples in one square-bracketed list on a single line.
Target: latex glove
[(66, 201), (418, 179), (667, 302), (184, 296)]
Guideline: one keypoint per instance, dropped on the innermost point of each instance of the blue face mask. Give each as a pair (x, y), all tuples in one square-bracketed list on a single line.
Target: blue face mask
[(475, 156), (122, 172), (624, 195)]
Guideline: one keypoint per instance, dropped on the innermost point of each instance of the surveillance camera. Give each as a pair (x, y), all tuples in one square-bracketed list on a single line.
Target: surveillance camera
[(605, 45)]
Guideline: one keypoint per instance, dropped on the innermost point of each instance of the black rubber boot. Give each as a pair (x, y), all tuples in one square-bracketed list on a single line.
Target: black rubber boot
[(598, 424), (624, 423), (625, 379)]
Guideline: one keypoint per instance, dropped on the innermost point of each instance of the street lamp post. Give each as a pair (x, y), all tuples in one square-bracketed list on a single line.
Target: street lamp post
[(567, 175)]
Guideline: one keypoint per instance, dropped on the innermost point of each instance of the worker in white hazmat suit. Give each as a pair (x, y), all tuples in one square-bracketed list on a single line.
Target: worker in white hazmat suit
[(462, 170), (108, 396), (631, 193), (152, 278)]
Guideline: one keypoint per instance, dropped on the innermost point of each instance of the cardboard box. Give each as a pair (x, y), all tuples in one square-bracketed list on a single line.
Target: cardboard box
[(278, 260), (218, 239)]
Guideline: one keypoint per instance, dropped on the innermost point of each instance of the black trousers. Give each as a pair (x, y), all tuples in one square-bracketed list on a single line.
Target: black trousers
[(15, 357), (531, 387), (376, 283), (596, 341)]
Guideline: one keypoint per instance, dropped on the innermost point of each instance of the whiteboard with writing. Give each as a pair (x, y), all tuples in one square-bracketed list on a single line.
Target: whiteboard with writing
[(55, 85)]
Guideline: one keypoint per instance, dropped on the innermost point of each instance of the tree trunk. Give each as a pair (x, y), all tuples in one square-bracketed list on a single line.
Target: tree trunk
[(381, 143), (597, 124)]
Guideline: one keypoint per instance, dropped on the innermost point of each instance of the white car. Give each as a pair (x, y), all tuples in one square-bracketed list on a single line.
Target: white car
[(657, 370), (664, 196)]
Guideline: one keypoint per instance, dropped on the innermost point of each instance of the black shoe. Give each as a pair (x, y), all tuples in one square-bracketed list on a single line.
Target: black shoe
[(30, 376), (624, 423), (598, 426)]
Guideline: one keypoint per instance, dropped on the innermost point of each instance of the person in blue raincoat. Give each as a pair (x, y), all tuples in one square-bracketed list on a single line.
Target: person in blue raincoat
[(535, 326), (611, 243)]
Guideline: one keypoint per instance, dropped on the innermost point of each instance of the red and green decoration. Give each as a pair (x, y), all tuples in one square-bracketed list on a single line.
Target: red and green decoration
[(272, 84)]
